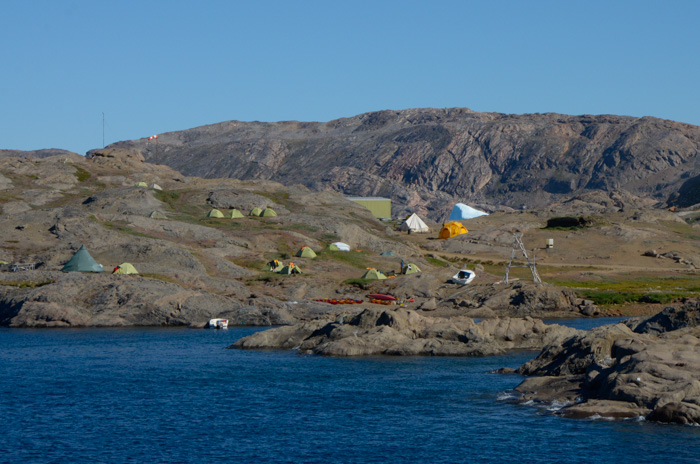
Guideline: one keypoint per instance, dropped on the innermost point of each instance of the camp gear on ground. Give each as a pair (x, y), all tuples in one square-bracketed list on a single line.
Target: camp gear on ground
[(452, 229), (337, 301), (381, 296), (82, 262)]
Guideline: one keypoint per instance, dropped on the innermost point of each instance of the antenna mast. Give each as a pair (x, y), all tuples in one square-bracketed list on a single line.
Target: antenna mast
[(518, 243)]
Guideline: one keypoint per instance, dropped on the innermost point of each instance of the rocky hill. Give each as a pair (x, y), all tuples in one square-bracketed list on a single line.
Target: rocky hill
[(426, 159)]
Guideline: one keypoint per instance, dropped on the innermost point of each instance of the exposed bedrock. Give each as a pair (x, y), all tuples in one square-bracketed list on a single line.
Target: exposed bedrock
[(405, 332), (646, 367)]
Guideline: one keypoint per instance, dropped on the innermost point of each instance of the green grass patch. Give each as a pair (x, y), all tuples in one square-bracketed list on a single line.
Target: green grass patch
[(26, 284), (358, 259), (436, 262), (81, 174)]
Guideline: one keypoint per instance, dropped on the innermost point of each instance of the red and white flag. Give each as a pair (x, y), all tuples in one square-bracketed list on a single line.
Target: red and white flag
[(152, 137)]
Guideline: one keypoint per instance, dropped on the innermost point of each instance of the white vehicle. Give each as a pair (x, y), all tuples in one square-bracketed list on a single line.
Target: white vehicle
[(463, 277), (218, 323)]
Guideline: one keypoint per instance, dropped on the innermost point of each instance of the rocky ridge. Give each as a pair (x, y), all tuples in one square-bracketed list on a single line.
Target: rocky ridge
[(405, 332), (427, 159)]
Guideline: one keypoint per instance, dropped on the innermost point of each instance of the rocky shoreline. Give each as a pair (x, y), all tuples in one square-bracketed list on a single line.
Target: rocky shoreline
[(646, 368)]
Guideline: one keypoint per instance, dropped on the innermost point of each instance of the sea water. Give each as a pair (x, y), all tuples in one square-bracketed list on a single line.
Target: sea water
[(178, 395)]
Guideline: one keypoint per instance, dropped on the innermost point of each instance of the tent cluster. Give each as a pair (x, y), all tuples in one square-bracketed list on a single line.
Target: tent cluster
[(280, 268), (83, 262), (235, 213)]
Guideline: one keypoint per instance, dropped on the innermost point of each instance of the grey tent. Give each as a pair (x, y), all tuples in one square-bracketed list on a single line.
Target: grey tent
[(157, 215), (82, 262)]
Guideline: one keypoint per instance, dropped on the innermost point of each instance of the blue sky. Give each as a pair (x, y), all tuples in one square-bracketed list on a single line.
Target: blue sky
[(155, 67)]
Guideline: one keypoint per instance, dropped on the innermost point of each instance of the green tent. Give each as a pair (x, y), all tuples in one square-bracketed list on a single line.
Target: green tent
[(332, 247), (268, 212), (157, 215), (234, 214), (141, 184), (387, 253), (125, 268), (373, 274), (306, 252), (82, 262), (290, 269), (255, 212), (411, 269), (274, 266), (215, 213)]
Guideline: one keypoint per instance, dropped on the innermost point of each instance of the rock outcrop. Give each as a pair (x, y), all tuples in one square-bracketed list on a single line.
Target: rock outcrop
[(426, 158), (648, 368), (405, 332)]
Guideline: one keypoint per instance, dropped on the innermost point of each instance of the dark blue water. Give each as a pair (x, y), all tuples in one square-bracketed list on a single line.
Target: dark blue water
[(176, 395)]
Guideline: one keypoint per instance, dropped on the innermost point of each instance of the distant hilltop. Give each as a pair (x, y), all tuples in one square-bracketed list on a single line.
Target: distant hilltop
[(425, 160)]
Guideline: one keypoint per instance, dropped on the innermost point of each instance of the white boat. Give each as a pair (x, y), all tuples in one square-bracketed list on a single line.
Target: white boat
[(218, 323), (463, 277)]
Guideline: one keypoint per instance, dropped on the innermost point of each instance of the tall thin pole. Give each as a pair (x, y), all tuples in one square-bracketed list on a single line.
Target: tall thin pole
[(103, 129)]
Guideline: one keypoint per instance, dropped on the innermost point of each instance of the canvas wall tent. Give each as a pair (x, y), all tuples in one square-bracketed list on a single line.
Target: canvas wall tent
[(290, 268), (373, 274), (234, 214), (452, 229), (141, 184), (125, 268), (339, 246), (82, 262), (461, 212), (274, 266), (268, 212), (306, 252), (255, 212), (215, 213), (411, 269), (414, 224), (157, 215)]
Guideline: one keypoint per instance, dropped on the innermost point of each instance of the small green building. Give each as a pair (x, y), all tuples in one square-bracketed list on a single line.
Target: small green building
[(380, 207)]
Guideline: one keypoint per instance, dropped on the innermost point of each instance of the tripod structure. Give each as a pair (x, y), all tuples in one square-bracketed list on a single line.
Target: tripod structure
[(518, 243)]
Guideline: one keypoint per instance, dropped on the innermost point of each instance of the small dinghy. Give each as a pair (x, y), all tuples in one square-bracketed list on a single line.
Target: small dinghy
[(218, 323), (463, 277)]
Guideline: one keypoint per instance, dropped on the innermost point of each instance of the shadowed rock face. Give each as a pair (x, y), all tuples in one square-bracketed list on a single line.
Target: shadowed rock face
[(424, 158), (405, 332), (651, 370)]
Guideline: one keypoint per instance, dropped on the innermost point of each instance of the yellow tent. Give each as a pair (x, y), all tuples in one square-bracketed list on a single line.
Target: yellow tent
[(125, 268), (215, 213), (452, 229)]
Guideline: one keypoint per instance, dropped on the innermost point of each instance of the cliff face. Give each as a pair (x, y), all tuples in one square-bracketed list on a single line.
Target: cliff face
[(425, 159)]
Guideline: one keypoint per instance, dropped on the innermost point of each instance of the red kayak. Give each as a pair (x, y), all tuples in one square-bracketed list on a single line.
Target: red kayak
[(381, 296)]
